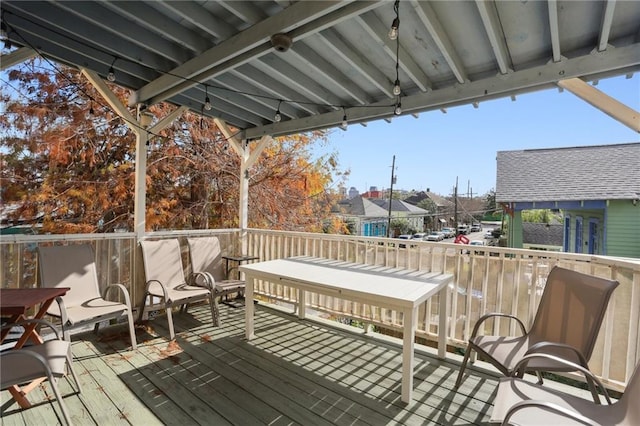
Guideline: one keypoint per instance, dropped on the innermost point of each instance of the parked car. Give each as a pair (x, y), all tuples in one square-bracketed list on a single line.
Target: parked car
[(488, 234), (476, 227), (435, 236), (404, 237), (448, 232), (419, 236), (463, 229)]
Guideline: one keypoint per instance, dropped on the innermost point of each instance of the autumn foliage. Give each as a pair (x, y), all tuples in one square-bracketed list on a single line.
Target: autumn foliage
[(68, 165)]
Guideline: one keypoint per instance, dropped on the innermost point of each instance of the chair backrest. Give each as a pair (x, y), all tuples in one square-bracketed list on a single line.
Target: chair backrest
[(571, 310), (70, 266), (206, 256), (163, 262)]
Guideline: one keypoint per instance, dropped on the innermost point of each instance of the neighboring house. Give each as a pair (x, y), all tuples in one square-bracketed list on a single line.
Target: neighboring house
[(367, 218), (444, 209), (542, 236), (415, 216), (597, 188)]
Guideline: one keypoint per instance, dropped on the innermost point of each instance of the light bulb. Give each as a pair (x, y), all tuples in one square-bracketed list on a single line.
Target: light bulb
[(396, 88), (344, 123), (207, 104), (398, 109), (111, 76), (278, 117), (393, 32)]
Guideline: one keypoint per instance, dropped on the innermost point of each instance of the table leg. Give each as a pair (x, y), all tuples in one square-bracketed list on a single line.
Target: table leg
[(443, 322), (302, 311), (249, 307), (409, 332)]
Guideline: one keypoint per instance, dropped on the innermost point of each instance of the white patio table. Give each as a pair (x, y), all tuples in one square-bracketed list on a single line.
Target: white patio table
[(392, 288)]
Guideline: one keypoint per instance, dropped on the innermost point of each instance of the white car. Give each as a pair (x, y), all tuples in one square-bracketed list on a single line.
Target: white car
[(435, 236)]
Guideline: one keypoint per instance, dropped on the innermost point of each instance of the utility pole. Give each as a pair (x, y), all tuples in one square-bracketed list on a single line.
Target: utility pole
[(393, 179), (455, 203)]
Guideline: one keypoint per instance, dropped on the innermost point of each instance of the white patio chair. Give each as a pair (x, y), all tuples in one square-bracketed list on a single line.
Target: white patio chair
[(521, 402), (166, 281), (207, 265), (50, 359), (73, 266)]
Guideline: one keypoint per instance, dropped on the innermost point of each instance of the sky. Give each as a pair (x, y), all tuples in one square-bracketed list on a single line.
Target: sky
[(435, 149)]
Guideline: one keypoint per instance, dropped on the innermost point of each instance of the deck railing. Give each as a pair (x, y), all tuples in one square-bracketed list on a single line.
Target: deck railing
[(486, 279)]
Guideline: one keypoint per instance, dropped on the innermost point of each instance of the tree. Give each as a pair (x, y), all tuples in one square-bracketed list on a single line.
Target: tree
[(67, 162)]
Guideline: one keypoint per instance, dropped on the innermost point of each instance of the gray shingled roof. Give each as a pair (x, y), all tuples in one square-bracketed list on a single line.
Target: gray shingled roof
[(359, 206), (542, 234), (398, 206), (602, 172)]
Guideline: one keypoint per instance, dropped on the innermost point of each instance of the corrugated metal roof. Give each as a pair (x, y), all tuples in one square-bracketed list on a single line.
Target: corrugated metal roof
[(341, 63), (603, 172)]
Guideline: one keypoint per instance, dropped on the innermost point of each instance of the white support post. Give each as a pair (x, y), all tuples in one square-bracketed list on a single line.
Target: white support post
[(243, 208)]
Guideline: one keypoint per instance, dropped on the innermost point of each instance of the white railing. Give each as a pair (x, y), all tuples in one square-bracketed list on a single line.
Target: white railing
[(486, 279)]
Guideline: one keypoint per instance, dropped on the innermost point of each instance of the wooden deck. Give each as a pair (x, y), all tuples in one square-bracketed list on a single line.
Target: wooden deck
[(294, 372)]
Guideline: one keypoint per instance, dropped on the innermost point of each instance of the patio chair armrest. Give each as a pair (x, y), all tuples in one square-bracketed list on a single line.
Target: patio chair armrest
[(548, 406), (496, 314), (63, 310), (123, 291), (162, 287), (520, 367), (541, 347), (37, 321), (207, 279)]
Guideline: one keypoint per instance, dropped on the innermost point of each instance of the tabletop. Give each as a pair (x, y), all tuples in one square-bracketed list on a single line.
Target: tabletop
[(390, 285), (16, 301)]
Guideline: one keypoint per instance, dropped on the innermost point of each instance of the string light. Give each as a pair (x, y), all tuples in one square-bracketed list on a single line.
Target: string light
[(396, 87), (207, 104), (278, 117), (344, 123), (207, 101), (111, 75), (395, 25)]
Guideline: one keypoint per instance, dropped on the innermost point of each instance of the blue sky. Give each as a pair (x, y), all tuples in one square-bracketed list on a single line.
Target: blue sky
[(434, 149)]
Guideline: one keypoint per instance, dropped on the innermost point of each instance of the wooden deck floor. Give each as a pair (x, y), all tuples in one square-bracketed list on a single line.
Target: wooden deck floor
[(294, 372)]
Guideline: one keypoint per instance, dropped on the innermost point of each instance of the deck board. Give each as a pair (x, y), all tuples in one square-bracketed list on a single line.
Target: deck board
[(293, 372)]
